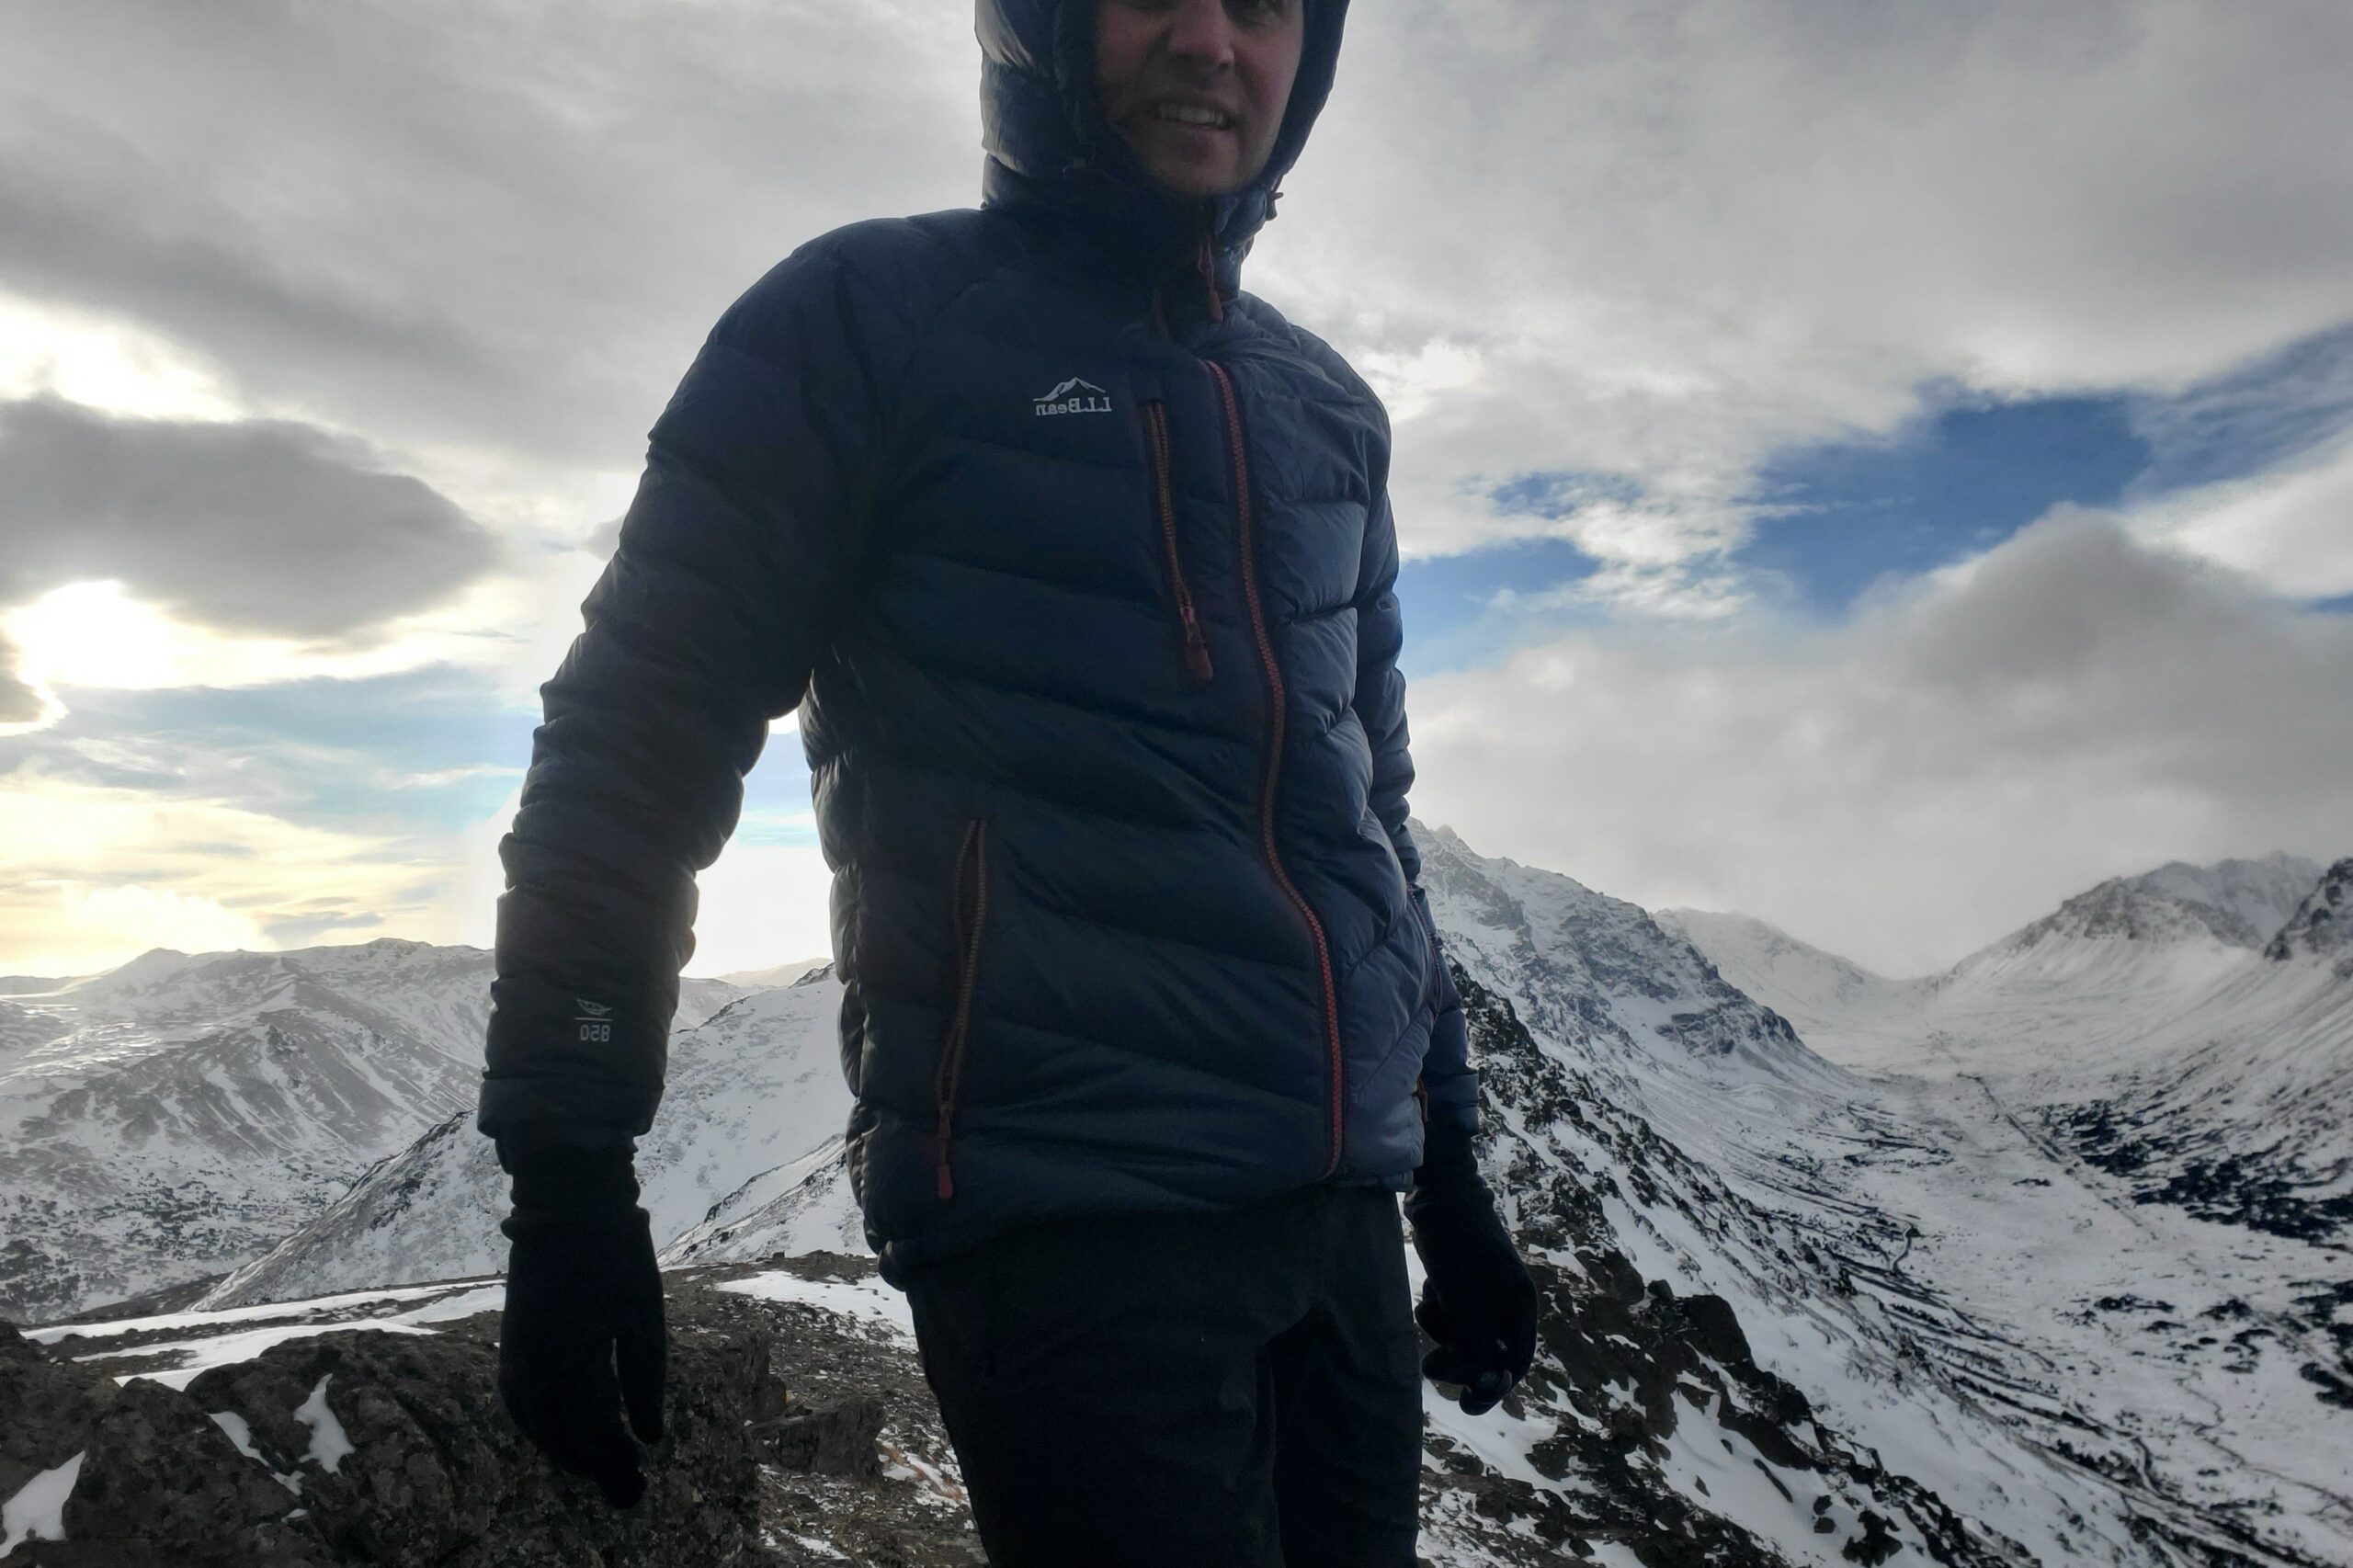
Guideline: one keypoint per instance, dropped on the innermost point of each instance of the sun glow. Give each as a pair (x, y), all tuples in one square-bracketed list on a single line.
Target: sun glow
[(99, 634), (93, 875), (105, 364)]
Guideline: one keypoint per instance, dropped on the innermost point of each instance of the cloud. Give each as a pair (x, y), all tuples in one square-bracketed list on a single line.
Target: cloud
[(249, 526), (92, 875), (1668, 237), (1969, 750), (1642, 243), (2274, 411), (408, 749), (2292, 529), (21, 703), (1649, 239), (103, 362), (470, 225)]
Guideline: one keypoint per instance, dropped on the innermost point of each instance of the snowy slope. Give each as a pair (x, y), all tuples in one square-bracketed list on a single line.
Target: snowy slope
[(2238, 903), (174, 1117), (1811, 988), (1675, 1159), (2098, 1379), (2322, 926), (1797, 1311), (2131, 948), (758, 1085), (2237, 1103), (1600, 972), (2152, 1024)]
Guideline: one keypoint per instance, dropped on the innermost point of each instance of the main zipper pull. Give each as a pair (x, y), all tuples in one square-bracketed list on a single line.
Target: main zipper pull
[(1206, 260), (1197, 647)]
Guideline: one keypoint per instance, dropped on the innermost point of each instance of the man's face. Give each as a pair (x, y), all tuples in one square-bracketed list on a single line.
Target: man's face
[(1228, 62)]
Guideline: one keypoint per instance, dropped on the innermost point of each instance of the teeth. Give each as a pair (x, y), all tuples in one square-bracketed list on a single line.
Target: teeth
[(1190, 114)]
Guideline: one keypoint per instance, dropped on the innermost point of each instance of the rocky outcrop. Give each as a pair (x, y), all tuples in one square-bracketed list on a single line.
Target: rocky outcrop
[(362, 1446), (158, 1486), (2323, 925)]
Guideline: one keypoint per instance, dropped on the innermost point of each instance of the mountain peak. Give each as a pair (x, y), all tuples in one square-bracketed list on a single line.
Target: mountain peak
[(2237, 904), (2323, 925)]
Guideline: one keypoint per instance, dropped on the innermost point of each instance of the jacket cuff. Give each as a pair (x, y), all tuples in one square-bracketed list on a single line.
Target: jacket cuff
[(1450, 1169), (521, 1143), (559, 1179)]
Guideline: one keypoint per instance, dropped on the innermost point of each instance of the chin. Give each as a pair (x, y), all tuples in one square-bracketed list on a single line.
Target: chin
[(1194, 184), (1190, 180)]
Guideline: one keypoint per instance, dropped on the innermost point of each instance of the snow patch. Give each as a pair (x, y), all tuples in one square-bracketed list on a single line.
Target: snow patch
[(241, 1433), (867, 1298), (329, 1443), (38, 1510)]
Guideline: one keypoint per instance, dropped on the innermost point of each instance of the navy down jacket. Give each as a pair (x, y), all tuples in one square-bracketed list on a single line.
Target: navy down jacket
[(1077, 563)]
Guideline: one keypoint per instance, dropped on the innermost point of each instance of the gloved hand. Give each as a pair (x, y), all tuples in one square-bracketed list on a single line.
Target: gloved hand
[(1477, 1302), (583, 1335)]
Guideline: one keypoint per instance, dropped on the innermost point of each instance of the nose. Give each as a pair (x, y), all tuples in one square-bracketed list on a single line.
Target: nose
[(1202, 34)]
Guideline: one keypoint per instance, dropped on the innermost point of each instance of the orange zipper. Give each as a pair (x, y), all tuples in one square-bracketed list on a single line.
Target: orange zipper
[(1275, 748), (971, 854), (1197, 647)]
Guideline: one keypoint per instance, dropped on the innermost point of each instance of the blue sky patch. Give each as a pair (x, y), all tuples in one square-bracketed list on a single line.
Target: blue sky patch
[(2264, 414), (319, 752), (1452, 620), (1948, 486)]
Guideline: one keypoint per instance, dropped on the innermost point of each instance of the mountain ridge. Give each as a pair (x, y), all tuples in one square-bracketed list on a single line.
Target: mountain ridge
[(1781, 1290)]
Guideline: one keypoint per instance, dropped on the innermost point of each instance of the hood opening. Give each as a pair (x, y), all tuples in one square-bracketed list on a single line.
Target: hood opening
[(1040, 118)]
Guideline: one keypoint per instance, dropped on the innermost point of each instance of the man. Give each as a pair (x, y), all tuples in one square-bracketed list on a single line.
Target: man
[(1078, 565)]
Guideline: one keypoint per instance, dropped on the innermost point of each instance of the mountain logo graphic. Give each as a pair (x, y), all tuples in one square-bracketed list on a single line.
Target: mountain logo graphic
[(1075, 396)]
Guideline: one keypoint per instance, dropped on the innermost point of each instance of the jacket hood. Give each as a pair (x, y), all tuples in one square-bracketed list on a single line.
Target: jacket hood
[(1049, 145)]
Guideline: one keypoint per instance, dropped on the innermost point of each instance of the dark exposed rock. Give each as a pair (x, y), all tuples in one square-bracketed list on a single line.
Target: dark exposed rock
[(1875, 1545), (2323, 927), (46, 1409), (434, 1473), (437, 1474), (1714, 1329), (161, 1484), (837, 1440), (2272, 1193)]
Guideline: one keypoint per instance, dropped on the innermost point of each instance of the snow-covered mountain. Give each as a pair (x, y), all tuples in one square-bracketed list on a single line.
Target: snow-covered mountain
[(174, 1117), (1797, 1311), (2322, 927), (2143, 1182), (1785, 1295), (2238, 903), (2099, 1378), (756, 1086), (2156, 1025), (1804, 983), (789, 973)]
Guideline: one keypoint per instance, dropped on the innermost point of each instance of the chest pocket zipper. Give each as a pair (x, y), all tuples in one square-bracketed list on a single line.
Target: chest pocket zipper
[(1188, 621), (969, 904)]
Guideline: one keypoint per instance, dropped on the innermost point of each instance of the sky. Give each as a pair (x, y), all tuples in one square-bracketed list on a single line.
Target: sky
[(1884, 469)]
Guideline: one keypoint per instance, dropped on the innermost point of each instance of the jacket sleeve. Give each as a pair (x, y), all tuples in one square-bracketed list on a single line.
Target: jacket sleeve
[(705, 625), (1448, 1084)]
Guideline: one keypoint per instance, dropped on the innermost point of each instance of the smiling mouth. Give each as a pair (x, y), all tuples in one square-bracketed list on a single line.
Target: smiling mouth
[(1197, 116)]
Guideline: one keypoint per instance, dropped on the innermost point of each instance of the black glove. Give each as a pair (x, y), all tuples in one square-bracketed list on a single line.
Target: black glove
[(1477, 1302), (582, 1335)]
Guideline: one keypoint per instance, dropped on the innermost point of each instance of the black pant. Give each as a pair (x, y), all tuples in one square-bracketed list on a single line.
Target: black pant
[(1240, 1389)]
